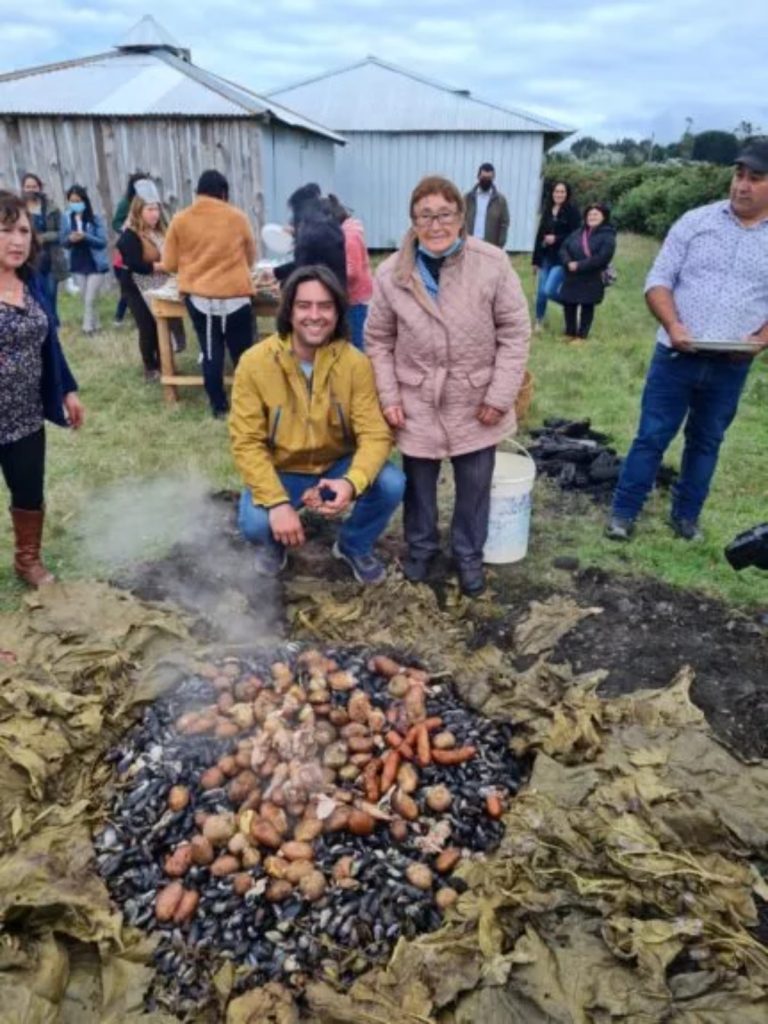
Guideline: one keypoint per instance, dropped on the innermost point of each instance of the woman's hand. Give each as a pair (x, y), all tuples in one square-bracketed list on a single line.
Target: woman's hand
[(489, 415), (394, 416), (573, 266), (286, 526), (76, 236), (75, 410), (157, 267), (549, 239)]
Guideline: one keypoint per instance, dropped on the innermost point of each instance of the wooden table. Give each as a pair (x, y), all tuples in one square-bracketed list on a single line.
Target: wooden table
[(165, 310)]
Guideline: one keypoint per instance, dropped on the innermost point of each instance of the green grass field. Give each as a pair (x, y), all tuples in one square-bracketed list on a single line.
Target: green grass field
[(132, 436)]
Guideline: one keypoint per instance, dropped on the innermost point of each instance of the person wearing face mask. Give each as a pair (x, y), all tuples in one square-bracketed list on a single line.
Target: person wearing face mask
[(486, 209), (141, 250), (558, 219), (45, 218), (447, 333), (585, 255), (84, 237)]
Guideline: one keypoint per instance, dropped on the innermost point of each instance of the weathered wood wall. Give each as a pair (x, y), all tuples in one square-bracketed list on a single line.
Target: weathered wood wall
[(100, 153)]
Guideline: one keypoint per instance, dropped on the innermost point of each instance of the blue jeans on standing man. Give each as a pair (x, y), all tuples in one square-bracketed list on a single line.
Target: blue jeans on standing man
[(703, 390), (359, 531), (548, 280), (356, 316)]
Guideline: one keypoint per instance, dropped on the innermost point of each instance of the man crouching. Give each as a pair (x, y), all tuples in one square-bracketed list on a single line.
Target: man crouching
[(307, 430)]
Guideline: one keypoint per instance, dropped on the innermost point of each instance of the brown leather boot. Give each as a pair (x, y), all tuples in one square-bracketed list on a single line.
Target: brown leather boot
[(28, 529)]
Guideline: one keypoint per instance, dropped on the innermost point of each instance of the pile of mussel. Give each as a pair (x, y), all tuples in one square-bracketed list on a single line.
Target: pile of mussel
[(296, 815)]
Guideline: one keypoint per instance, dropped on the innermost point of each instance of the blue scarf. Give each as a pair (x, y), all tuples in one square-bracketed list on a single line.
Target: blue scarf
[(430, 283)]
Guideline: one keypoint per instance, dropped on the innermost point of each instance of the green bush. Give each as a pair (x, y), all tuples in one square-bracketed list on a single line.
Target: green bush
[(647, 199)]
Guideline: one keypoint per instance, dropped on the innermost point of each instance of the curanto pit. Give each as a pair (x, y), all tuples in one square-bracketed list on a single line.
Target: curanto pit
[(294, 813)]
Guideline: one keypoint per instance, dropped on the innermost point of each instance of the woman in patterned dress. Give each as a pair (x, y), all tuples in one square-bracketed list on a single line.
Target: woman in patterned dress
[(35, 384)]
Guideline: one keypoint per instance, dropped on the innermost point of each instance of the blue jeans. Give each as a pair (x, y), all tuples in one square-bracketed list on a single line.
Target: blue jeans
[(702, 390), (356, 316), (358, 533), (549, 279)]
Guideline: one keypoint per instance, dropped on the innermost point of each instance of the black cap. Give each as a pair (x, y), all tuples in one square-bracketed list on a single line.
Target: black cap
[(754, 156)]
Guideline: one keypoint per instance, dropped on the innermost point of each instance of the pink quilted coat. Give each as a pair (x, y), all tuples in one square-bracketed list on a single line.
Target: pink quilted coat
[(442, 360)]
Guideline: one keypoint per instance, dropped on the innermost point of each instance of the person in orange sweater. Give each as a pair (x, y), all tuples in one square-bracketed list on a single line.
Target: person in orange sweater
[(359, 277), (211, 247)]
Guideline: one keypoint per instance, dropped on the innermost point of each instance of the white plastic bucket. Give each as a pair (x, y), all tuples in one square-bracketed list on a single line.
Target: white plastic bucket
[(510, 516)]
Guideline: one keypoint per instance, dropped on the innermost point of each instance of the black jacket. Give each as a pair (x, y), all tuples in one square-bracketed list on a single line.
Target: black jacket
[(567, 220), (585, 284), (130, 248), (319, 239)]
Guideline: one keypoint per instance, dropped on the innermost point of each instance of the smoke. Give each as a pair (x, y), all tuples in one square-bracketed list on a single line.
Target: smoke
[(170, 539)]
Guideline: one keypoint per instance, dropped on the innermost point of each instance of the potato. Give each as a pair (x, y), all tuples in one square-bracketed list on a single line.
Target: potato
[(201, 849), (187, 906), (167, 901), (381, 665), (405, 805), (376, 720), (242, 882), (243, 784), (212, 778), (276, 867), (219, 828), (359, 706), (228, 764), (398, 686), (278, 890), (349, 772), (407, 778), (341, 681), (337, 820), (297, 869), (179, 862), (251, 857), (419, 876), (338, 716), (335, 755), (445, 897), (447, 860), (360, 744), (296, 850), (438, 798), (225, 702), (276, 816), (343, 868), (360, 823), (242, 715), (224, 865), (178, 798), (265, 833), (237, 844), (308, 830), (398, 829), (313, 885), (444, 740)]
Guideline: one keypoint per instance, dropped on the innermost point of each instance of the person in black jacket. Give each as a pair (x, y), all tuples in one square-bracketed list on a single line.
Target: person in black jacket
[(585, 255), (559, 218), (318, 234)]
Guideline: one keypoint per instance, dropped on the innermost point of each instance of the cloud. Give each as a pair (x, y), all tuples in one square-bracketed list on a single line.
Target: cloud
[(608, 68)]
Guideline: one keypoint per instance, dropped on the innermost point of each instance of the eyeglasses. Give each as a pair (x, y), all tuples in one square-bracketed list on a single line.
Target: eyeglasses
[(443, 218)]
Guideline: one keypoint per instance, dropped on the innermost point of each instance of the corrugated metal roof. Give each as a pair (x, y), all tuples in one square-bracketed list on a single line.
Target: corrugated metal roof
[(373, 96), (136, 83), (147, 33)]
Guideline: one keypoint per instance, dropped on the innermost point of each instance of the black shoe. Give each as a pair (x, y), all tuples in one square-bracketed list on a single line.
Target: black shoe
[(418, 570), (686, 529), (471, 582)]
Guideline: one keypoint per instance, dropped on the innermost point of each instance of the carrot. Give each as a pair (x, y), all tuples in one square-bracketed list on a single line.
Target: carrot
[(457, 756), (371, 781), (389, 770), (430, 724), (410, 736), (405, 750), (423, 755), (393, 739), (493, 805), (392, 715)]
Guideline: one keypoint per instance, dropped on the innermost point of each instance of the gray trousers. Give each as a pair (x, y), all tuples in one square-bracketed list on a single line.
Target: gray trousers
[(90, 286), (472, 475)]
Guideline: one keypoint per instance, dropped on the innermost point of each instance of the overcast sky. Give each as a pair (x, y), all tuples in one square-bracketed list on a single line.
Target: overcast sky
[(606, 69)]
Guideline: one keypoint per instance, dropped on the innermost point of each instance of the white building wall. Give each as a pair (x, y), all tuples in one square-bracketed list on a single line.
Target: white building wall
[(376, 172), (291, 158)]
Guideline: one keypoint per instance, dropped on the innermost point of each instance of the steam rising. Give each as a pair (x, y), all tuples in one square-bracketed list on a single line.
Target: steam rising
[(170, 539)]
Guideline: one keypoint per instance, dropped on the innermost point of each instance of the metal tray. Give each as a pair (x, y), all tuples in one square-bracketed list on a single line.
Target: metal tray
[(715, 345)]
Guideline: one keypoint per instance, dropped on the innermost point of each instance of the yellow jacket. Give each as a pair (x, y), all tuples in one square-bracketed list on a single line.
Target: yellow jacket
[(278, 422)]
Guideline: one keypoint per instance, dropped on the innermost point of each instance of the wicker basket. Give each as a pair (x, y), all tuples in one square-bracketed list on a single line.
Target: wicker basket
[(524, 397)]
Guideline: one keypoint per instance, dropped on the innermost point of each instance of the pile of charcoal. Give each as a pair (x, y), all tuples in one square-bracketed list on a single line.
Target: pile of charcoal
[(297, 816), (578, 458)]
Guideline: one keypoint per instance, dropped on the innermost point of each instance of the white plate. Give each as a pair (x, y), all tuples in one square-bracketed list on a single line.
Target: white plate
[(277, 239), (713, 345)]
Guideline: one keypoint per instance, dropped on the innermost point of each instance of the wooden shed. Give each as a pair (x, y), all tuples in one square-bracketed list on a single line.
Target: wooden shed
[(145, 106)]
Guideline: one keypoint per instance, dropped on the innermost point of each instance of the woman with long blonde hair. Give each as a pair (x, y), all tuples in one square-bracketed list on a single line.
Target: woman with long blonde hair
[(141, 247)]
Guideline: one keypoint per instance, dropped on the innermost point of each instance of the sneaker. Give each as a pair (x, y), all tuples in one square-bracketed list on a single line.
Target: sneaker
[(118, 324), (270, 561), (365, 568), (151, 375), (686, 529), (619, 529), (472, 582)]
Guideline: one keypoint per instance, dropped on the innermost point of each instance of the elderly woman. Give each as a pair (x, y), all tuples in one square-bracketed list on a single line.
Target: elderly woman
[(448, 333), (35, 384)]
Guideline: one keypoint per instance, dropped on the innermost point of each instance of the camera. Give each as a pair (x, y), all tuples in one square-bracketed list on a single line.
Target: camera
[(749, 549)]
